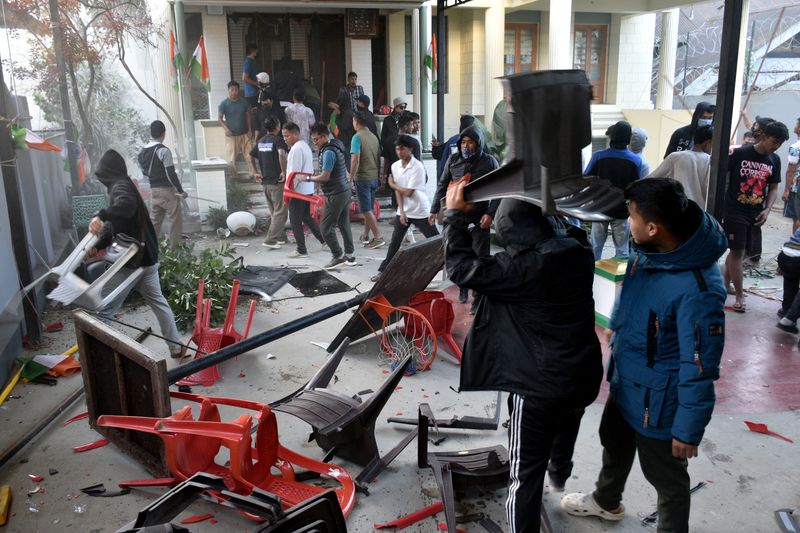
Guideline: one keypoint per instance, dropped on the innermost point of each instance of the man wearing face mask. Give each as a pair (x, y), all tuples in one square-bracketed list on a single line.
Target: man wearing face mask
[(472, 158), (683, 138)]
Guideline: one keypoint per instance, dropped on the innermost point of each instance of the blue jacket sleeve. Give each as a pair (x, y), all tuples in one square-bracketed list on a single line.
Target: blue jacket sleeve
[(701, 336)]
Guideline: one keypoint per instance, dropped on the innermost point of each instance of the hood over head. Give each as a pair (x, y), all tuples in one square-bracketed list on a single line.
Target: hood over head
[(521, 225), (638, 140), (701, 249), (111, 168), (699, 110), (474, 133)]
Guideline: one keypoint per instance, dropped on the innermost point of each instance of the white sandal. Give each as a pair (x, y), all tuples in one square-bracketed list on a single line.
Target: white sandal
[(580, 504)]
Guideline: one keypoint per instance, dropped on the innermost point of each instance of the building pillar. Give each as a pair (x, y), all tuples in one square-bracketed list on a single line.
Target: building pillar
[(494, 33), (416, 62), (560, 35), (667, 52), (425, 89), (186, 99), (740, 70)]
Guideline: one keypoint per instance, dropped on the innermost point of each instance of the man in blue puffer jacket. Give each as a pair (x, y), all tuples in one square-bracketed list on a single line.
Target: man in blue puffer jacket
[(668, 333)]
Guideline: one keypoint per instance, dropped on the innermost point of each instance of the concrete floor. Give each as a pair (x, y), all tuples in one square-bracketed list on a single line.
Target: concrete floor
[(750, 474)]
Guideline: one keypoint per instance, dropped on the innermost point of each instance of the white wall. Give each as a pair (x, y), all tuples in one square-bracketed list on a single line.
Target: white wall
[(473, 62), (631, 60), (358, 59), (215, 34)]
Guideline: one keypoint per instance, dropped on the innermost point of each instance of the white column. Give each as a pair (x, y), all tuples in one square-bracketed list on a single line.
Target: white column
[(426, 96), (560, 34), (415, 61), (494, 35), (667, 53), (740, 69)]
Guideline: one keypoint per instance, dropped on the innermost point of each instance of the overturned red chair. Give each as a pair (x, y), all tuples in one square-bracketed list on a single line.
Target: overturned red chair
[(438, 310), (191, 446)]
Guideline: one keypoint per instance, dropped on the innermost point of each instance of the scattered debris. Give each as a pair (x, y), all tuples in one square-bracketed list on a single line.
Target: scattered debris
[(36, 490), (785, 518), (75, 418), (54, 327), (79, 509), (758, 427), (197, 518), (90, 446), (35, 478), (52, 471), (271, 356), (99, 491)]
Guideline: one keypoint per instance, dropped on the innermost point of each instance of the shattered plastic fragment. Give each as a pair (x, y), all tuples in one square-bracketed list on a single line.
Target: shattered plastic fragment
[(36, 490), (79, 509), (35, 478), (33, 507)]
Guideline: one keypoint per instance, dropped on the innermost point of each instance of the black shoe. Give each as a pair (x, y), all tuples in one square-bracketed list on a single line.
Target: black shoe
[(781, 312), (335, 262), (788, 329), (463, 296)]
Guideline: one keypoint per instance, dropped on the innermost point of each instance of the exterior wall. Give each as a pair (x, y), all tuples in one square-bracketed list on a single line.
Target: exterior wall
[(631, 60), (659, 126), (358, 58), (472, 61), (215, 34), (396, 63)]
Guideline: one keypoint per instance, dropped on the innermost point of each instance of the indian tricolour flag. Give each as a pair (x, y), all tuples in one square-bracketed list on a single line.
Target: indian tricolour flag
[(175, 60), (199, 64), (431, 63)]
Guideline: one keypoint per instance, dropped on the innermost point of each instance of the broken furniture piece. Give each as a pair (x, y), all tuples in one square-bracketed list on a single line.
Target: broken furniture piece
[(289, 192), (344, 426), (208, 339), (438, 310), (191, 446), (323, 376), (548, 124), (459, 422), (409, 272), (786, 521), (458, 471)]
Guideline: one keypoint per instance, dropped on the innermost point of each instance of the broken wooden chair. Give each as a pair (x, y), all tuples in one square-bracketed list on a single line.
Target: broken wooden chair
[(438, 310), (460, 470), (208, 339), (191, 446), (345, 426)]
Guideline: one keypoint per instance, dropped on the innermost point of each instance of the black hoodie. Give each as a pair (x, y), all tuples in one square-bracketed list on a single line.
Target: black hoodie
[(533, 332), (126, 212), (456, 167), (683, 138)]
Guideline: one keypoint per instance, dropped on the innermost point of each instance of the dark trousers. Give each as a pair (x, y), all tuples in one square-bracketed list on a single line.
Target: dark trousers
[(790, 266), (399, 233), (753, 248), (337, 214), (300, 213), (540, 431), (666, 473)]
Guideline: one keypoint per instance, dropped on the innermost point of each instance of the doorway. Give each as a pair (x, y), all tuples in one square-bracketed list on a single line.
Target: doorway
[(590, 55)]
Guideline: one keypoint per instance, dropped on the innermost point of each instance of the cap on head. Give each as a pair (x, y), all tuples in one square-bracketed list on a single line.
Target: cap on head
[(364, 99), (399, 101), (620, 133), (638, 140), (262, 77)]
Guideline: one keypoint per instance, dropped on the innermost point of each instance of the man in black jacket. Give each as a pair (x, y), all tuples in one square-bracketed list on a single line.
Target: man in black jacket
[(683, 137), (126, 213), (533, 336), (472, 158)]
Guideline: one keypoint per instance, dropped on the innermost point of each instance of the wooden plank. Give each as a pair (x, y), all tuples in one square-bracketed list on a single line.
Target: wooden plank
[(122, 377), (410, 271)]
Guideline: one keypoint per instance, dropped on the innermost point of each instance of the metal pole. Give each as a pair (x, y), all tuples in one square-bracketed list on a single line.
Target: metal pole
[(426, 84), (186, 100), (726, 93), (69, 128), (177, 374), (441, 57)]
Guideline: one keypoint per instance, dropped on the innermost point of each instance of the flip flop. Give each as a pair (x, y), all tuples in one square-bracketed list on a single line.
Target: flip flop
[(739, 308)]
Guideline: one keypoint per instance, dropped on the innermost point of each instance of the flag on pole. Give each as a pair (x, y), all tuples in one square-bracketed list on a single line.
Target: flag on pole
[(175, 60), (199, 65), (431, 63)]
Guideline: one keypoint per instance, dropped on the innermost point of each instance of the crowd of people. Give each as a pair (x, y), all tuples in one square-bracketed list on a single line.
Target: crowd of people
[(533, 333)]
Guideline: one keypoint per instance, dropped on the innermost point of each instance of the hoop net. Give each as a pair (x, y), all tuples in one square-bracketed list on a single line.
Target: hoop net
[(401, 331)]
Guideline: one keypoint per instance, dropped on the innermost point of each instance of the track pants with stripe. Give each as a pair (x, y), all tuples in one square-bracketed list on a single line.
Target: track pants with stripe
[(541, 435)]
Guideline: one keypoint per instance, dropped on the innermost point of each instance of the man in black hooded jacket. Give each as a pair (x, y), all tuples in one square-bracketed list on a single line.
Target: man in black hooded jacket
[(126, 213), (533, 336), (472, 158), (683, 137)]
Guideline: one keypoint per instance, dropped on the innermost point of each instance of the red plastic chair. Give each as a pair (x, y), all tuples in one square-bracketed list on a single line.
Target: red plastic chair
[(192, 445), (289, 192), (208, 339), (438, 310)]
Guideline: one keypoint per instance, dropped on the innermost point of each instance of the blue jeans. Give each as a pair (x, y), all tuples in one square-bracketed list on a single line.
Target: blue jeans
[(149, 286), (620, 233)]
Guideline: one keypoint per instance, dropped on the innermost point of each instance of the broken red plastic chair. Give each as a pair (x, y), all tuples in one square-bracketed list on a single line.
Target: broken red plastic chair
[(191, 446), (289, 192), (438, 310)]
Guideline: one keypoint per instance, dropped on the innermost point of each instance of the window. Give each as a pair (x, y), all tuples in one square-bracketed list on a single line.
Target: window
[(521, 48), (589, 54), (423, 51)]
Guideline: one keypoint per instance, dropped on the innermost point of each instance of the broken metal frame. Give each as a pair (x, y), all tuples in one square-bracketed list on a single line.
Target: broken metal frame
[(459, 422)]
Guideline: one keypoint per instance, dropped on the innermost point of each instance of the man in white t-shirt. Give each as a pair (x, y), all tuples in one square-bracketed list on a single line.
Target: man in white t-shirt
[(301, 115), (300, 159), (690, 167), (407, 178)]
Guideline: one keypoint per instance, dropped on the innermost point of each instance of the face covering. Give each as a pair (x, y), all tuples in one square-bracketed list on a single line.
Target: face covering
[(466, 153), (705, 122)]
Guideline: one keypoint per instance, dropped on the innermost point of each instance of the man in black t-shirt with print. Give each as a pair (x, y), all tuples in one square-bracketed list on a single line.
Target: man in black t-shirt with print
[(269, 157), (754, 173)]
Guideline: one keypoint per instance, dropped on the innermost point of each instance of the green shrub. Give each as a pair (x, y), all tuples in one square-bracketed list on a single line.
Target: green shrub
[(182, 269), (217, 217), (236, 196)]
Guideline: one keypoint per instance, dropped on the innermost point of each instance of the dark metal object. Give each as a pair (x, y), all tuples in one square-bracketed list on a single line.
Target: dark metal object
[(245, 345), (549, 122), (372, 470), (487, 468), (490, 525), (652, 518), (322, 378), (459, 422), (786, 521), (343, 423), (726, 92), (409, 272)]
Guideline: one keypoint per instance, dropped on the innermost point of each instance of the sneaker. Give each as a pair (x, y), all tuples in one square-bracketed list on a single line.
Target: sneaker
[(375, 243), (376, 277), (335, 262), (580, 504), (350, 260), (789, 328), (271, 244), (364, 239), (296, 254), (781, 312), (281, 241)]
